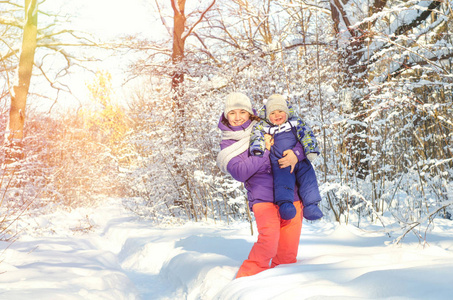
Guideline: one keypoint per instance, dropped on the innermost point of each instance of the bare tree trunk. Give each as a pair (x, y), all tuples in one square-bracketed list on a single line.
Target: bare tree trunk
[(177, 86), (177, 81), (179, 38), (15, 132), (177, 58), (355, 71)]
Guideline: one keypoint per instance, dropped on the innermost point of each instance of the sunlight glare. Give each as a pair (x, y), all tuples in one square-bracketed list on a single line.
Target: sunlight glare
[(111, 18)]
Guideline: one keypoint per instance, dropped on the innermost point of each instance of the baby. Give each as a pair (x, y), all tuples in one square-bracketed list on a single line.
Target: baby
[(279, 121)]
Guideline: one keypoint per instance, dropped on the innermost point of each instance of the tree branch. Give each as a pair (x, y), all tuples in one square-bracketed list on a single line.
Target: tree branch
[(163, 19), (415, 22), (198, 21), (426, 61)]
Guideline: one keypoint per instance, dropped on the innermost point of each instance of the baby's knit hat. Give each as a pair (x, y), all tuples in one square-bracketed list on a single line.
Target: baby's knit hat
[(276, 102), (237, 101)]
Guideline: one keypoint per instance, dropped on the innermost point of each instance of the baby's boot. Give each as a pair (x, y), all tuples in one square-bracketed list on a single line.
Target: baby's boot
[(287, 210), (312, 212)]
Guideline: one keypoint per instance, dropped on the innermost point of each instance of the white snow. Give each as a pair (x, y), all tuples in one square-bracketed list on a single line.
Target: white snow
[(109, 253)]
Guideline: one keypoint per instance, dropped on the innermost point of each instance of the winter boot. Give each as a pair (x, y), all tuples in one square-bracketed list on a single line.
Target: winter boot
[(287, 210)]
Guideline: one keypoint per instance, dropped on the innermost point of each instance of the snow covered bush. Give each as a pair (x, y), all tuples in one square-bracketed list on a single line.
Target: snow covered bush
[(174, 170), (63, 164)]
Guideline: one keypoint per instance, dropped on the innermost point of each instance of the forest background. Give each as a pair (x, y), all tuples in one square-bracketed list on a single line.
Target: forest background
[(372, 78)]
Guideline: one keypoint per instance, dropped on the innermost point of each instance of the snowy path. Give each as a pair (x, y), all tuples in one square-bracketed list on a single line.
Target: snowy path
[(124, 257)]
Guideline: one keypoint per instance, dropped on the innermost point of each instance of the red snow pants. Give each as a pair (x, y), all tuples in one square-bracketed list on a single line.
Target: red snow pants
[(278, 239)]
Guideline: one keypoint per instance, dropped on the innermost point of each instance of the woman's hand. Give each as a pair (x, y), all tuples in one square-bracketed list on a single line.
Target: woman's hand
[(269, 141), (288, 159)]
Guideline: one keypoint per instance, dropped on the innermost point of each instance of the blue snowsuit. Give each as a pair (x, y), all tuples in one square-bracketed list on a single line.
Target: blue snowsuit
[(303, 174), (285, 137)]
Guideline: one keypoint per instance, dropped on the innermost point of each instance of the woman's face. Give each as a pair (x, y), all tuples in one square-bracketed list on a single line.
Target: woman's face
[(237, 117), (277, 117)]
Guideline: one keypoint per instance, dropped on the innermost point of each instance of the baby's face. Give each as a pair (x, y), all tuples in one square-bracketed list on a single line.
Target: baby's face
[(277, 117)]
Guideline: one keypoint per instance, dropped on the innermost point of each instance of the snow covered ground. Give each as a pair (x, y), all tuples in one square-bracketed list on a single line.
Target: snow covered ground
[(108, 253)]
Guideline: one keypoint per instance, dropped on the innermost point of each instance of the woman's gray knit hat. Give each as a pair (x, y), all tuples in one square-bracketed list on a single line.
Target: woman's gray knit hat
[(237, 101), (276, 102)]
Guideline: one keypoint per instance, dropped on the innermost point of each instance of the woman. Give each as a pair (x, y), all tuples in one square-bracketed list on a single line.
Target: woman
[(278, 239)]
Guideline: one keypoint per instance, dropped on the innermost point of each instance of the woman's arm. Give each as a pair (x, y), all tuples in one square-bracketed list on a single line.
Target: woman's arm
[(243, 167)]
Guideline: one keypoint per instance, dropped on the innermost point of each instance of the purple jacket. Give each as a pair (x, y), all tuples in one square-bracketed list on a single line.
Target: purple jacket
[(254, 171)]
